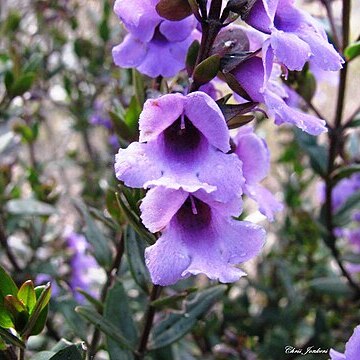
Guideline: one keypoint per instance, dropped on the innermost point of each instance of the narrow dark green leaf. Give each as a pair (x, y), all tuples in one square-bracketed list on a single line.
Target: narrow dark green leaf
[(32, 326), (118, 313), (230, 61), (355, 123), (7, 285), (331, 286), (97, 304), (207, 70), (66, 307), (345, 172), (95, 237), (191, 56), (29, 207), (134, 247), (241, 7), (22, 84), (11, 339), (172, 300), (176, 325), (139, 87), (69, 353), (104, 325), (134, 220), (43, 355), (27, 295), (352, 51), (132, 114), (239, 120), (353, 258), (318, 154)]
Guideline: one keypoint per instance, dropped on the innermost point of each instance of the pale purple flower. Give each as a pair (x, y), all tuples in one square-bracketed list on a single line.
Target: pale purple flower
[(42, 279), (154, 46), (259, 86), (255, 157), (198, 236), (183, 145), (81, 263), (99, 117), (295, 36), (344, 189), (352, 348)]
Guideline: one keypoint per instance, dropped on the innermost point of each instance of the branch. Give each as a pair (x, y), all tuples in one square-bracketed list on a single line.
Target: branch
[(335, 136), (149, 318), (110, 277)]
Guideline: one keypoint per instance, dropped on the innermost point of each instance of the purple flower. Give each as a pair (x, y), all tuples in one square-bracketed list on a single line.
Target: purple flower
[(198, 236), (81, 263), (99, 117), (295, 36), (344, 189), (352, 348), (183, 141), (154, 46), (259, 86), (42, 279), (255, 157)]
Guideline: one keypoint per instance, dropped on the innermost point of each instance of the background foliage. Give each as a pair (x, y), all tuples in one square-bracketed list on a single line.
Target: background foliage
[(56, 172)]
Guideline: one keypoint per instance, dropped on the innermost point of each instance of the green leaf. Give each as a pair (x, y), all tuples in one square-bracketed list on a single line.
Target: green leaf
[(103, 325), (134, 247), (139, 87), (29, 207), (172, 300), (343, 214), (98, 305), (352, 51), (330, 286), (191, 56), (12, 22), (176, 325), (207, 70), (355, 123), (118, 313), (27, 295), (22, 84), (69, 353), (95, 237), (132, 114), (2, 344), (134, 220), (318, 154), (36, 321), (345, 172), (104, 30), (353, 258), (7, 285), (66, 307), (9, 80), (11, 339), (43, 355)]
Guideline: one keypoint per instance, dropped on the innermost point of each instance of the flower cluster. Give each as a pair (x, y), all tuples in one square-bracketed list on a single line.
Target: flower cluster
[(341, 193), (153, 45), (195, 179), (195, 189)]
